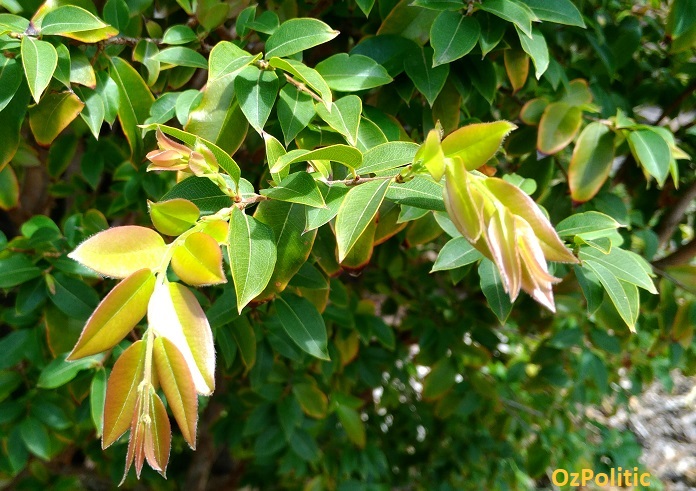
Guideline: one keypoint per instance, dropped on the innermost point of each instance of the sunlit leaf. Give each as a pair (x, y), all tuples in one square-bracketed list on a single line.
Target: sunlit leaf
[(198, 260)]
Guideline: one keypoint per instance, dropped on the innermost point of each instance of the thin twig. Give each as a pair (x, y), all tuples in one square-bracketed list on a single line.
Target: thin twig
[(677, 102), (302, 88), (682, 255), (675, 213)]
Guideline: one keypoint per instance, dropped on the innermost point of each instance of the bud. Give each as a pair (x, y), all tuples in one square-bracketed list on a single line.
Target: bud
[(170, 155), (507, 227), (202, 161)]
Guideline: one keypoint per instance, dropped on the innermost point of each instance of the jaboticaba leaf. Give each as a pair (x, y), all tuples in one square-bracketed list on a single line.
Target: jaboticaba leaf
[(303, 323), (464, 203), (121, 251), (174, 313), (76, 23), (40, 60), (256, 91), (476, 143), (356, 212), (52, 115), (431, 156), (298, 187), (295, 110), (588, 225), (519, 203), (652, 152), (453, 35), (352, 424), (349, 73), (387, 156), (305, 74), (312, 400), (116, 315), (343, 154), (252, 255), (122, 392), (532, 111), (625, 265), (288, 222), (174, 216), (158, 435), (492, 288), (344, 116), (517, 67), (558, 126), (198, 260), (177, 384), (428, 80), (591, 162), (297, 35)]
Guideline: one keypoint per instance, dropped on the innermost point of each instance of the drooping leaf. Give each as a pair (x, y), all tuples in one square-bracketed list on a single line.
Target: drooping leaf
[(303, 324), (492, 287), (356, 212), (97, 399), (39, 59), (122, 392), (456, 253), (517, 67), (295, 111), (174, 313), (135, 100), (10, 79), (352, 424), (652, 152), (511, 11), (625, 265), (536, 47), (176, 382), (591, 162), (13, 117), (198, 261), (252, 255), (116, 315), (558, 11), (9, 188), (623, 295), (428, 80), (52, 115), (297, 35), (452, 36), (59, 371), (121, 251)]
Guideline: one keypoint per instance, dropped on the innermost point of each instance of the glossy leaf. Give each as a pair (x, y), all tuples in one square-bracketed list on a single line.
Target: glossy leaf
[(174, 216), (492, 288), (174, 313), (333, 196), (76, 23), (176, 381), (351, 73), (298, 187), (9, 188), (181, 56), (252, 255), (356, 212), (39, 59), (452, 36), (558, 11), (10, 79), (429, 80), (52, 115), (297, 35), (625, 265), (307, 75), (198, 260), (591, 162), (623, 295), (511, 11), (344, 116), (135, 100), (122, 392), (295, 111), (517, 67), (652, 152), (456, 253), (536, 47), (121, 251), (476, 143), (116, 315), (256, 91), (557, 127), (303, 324), (387, 156), (343, 154)]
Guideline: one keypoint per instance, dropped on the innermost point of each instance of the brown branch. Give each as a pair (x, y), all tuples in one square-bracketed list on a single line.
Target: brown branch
[(674, 214), (677, 102), (682, 255), (302, 88)]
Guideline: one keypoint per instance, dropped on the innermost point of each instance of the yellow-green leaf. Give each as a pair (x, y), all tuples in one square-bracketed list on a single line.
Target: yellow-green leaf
[(177, 384), (52, 115), (174, 313), (40, 60), (476, 143), (591, 162), (558, 126), (122, 392), (312, 400), (174, 216), (198, 261), (116, 315), (121, 251), (158, 436), (517, 67)]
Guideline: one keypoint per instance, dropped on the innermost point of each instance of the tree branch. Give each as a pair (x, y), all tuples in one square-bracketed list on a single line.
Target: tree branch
[(682, 255), (677, 102), (674, 214)]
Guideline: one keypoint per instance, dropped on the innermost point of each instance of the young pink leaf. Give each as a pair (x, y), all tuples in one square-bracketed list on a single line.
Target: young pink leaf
[(463, 202), (122, 392), (177, 383), (198, 261), (121, 251), (158, 435), (174, 313), (116, 315), (500, 238)]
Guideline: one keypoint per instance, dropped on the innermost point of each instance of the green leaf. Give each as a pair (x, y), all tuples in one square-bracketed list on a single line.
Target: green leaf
[(256, 91), (591, 162), (558, 126), (252, 256), (298, 187), (295, 110), (17, 269), (73, 297), (440, 380), (387, 156), (558, 11), (181, 56), (13, 23), (116, 13), (344, 116), (492, 32), (52, 115), (591, 288), (303, 324), (13, 117), (135, 100), (59, 371), (35, 437), (39, 59), (456, 253), (76, 23), (652, 152), (174, 216), (492, 288), (297, 35), (388, 50), (343, 154), (333, 197), (350, 73), (452, 36), (245, 337), (202, 192), (312, 400), (428, 80), (358, 209), (97, 397), (307, 75), (476, 143), (10, 79), (222, 157), (352, 424), (588, 225), (9, 188), (483, 77), (420, 192), (511, 11), (288, 221), (179, 34), (625, 265), (536, 48), (623, 295), (408, 21)]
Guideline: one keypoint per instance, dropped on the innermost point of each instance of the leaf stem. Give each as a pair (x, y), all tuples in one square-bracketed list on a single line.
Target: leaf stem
[(302, 88)]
